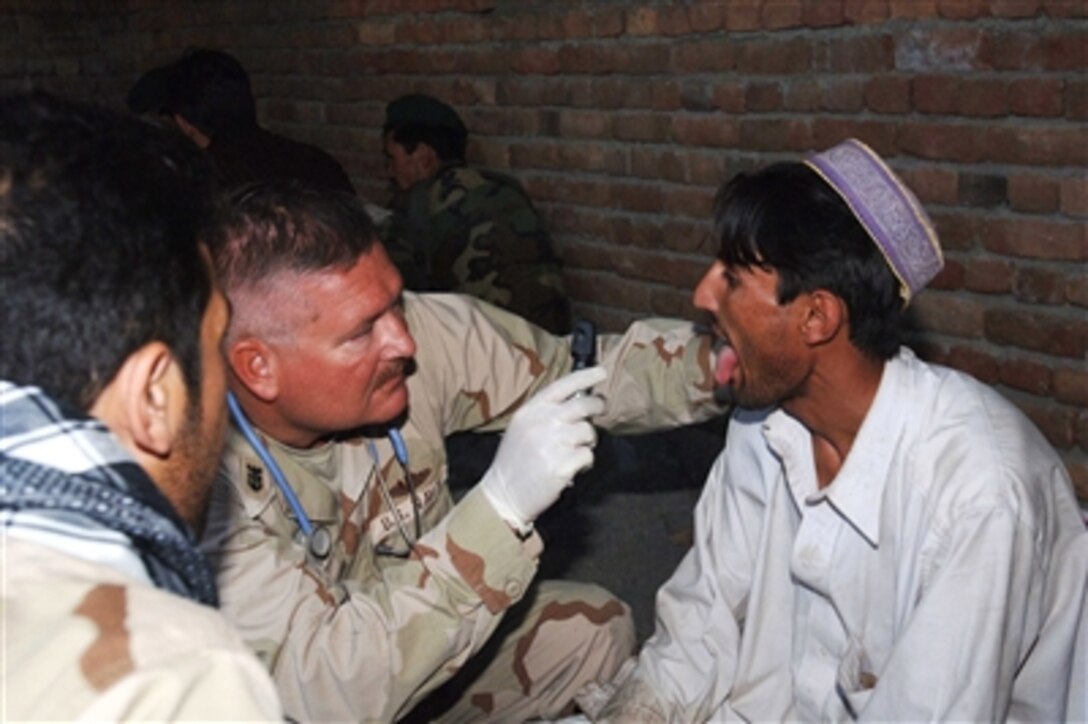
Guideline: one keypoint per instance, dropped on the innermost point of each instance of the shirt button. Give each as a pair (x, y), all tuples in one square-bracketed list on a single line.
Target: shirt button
[(513, 589)]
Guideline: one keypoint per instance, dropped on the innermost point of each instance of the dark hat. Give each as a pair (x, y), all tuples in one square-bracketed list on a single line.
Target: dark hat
[(160, 87), (418, 109)]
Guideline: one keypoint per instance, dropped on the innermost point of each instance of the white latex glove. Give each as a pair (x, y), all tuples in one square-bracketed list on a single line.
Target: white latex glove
[(548, 441)]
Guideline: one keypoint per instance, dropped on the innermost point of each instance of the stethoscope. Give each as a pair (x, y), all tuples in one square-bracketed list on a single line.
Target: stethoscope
[(318, 539)]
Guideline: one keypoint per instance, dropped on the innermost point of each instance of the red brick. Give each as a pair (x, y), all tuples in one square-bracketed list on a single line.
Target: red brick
[(912, 9), (989, 276), (950, 278), (888, 94), (1050, 333), (665, 96), (983, 98), (705, 56), (1033, 193), (962, 9), (641, 127), (706, 17), (1076, 289), (630, 232), (1026, 375), (1037, 97), (866, 12), (823, 13), (1037, 285), (1076, 100), (585, 124), (742, 15), (607, 289), (1065, 8), (1071, 385), (843, 96), (1060, 51), (950, 314), (1080, 436), (1035, 145), (706, 169), (762, 97), (657, 164), (1078, 471), (945, 50), (776, 57), (674, 303), (872, 52), (608, 22), (801, 94), (1035, 238), (776, 135), (689, 236), (674, 21), (979, 365), (642, 21), (1015, 8), (936, 93), (1074, 195), (576, 24), (932, 185), (879, 134), (692, 202), (942, 142), (704, 130), (1055, 422), (782, 14), (729, 96)]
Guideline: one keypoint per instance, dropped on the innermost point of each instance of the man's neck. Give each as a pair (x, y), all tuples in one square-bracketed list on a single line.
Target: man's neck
[(836, 400)]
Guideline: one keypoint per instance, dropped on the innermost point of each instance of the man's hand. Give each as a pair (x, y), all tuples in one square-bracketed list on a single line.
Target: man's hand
[(548, 441)]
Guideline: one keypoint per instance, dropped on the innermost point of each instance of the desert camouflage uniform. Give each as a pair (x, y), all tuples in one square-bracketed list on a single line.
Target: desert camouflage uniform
[(364, 636), (474, 231), (84, 640), (103, 596)]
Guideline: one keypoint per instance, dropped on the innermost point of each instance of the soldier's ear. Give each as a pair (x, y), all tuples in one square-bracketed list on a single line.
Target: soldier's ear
[(257, 366), (426, 160)]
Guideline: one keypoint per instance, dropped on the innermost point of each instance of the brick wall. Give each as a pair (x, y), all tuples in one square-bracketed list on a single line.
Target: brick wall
[(622, 118)]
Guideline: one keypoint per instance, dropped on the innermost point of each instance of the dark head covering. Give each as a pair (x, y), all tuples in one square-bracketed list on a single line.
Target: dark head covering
[(419, 109)]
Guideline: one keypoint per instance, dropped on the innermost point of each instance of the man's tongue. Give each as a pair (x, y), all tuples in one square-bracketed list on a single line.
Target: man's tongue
[(727, 364)]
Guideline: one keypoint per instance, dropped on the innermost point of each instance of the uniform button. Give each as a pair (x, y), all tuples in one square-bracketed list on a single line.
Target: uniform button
[(513, 589)]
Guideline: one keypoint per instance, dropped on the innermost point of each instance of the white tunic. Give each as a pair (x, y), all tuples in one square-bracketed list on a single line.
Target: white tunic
[(941, 576)]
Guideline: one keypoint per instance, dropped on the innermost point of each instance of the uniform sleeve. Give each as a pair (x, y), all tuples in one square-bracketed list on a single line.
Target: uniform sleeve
[(686, 670), (484, 362), (368, 649)]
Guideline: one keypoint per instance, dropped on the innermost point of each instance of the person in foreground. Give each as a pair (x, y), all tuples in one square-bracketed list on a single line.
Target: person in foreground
[(882, 538), (375, 588), (111, 422)]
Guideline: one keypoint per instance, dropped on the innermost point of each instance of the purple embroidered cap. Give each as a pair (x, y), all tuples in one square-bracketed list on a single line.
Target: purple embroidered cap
[(887, 210)]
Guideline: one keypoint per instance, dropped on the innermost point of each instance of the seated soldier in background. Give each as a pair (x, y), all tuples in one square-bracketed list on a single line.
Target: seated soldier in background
[(207, 95), (459, 228), (881, 539), (372, 588), (112, 414)]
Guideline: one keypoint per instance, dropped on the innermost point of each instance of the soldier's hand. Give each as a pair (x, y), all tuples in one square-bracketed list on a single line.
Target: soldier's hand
[(548, 441)]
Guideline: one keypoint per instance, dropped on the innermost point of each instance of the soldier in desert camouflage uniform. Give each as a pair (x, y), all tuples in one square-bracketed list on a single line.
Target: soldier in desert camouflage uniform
[(323, 342), (111, 421), (458, 228)]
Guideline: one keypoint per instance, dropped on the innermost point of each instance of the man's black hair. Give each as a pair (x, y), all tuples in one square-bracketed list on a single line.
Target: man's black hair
[(418, 118), (99, 250), (787, 219), (209, 88)]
